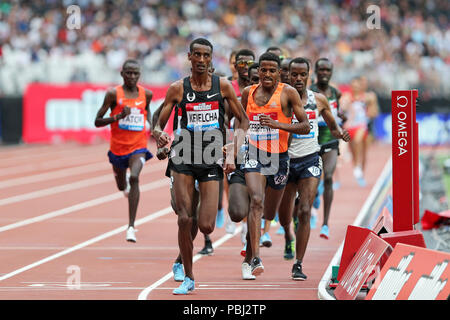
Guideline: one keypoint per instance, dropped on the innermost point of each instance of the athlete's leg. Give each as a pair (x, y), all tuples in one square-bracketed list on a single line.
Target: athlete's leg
[(286, 209), (209, 193), (307, 189), (136, 163), (120, 177), (238, 202), (329, 160), (183, 187), (256, 183)]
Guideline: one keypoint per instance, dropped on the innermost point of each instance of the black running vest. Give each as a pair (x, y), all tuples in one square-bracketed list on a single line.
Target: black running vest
[(199, 122)]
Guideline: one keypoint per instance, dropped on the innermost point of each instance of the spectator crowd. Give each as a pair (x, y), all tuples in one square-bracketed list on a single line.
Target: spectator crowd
[(408, 49)]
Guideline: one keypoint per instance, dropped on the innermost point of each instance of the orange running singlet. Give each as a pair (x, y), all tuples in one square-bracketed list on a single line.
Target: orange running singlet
[(263, 137), (129, 134)]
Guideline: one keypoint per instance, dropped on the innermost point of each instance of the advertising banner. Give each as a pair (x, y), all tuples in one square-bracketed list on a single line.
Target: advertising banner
[(58, 113)]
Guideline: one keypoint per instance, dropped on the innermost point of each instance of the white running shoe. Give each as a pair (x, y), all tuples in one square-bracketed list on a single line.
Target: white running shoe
[(126, 192), (131, 236), (230, 226), (244, 232), (247, 272)]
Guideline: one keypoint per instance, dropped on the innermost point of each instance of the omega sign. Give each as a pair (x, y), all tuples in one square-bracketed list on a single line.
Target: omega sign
[(404, 159), (402, 118)]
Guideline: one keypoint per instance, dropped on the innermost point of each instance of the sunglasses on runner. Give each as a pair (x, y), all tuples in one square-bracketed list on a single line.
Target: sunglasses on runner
[(242, 63)]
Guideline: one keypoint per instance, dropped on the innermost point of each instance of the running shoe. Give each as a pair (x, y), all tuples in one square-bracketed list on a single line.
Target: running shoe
[(220, 219), (126, 192), (295, 219), (257, 267), (187, 286), (244, 250), (297, 273), (178, 272), (247, 272), (280, 230), (324, 232), (316, 203), (230, 226), (265, 240), (313, 221), (361, 182), (207, 249), (244, 232), (131, 234), (289, 249)]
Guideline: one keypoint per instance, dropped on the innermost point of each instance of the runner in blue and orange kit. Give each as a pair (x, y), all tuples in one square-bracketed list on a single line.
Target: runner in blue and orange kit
[(129, 104)]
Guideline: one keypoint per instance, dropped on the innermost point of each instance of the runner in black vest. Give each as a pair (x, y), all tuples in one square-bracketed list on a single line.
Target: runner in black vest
[(197, 146)]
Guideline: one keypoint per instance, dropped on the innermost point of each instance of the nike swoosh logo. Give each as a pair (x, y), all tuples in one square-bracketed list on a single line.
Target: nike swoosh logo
[(138, 103), (210, 96), (211, 175)]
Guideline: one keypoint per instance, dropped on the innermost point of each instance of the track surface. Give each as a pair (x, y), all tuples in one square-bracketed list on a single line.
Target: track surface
[(62, 233)]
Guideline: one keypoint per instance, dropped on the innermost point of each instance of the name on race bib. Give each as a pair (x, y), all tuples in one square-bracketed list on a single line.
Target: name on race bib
[(202, 116), (312, 132), (259, 132), (133, 122)]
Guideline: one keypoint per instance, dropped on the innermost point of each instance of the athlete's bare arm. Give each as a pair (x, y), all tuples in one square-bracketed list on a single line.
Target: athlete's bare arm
[(228, 93), (174, 95), (109, 103), (241, 121), (325, 111), (148, 99), (289, 99)]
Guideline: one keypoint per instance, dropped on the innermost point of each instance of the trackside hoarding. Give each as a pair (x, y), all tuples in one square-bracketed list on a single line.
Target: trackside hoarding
[(58, 113)]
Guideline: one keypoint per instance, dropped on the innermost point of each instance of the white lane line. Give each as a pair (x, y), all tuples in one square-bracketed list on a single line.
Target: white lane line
[(57, 189), (143, 295), (103, 236), (83, 205), (65, 187), (54, 175)]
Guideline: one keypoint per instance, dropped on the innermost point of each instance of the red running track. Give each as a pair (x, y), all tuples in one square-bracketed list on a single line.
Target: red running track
[(62, 233)]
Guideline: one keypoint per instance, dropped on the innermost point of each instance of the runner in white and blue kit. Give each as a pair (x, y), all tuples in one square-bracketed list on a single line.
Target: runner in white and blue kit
[(305, 167)]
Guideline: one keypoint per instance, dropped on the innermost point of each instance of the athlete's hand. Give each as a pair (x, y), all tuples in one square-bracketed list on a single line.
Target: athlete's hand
[(345, 135), (229, 167), (267, 121), (162, 138), (229, 156), (125, 111), (162, 153)]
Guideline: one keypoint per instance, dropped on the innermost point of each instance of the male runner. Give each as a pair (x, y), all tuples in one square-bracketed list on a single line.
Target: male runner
[(269, 106), (329, 145), (305, 163), (128, 146), (238, 201), (197, 148)]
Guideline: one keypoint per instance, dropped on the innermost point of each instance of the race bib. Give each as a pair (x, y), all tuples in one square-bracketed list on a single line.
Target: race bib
[(202, 116), (262, 133), (133, 122), (312, 128)]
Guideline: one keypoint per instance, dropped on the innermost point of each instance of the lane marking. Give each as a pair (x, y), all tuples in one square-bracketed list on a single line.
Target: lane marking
[(62, 173), (143, 295), (65, 187), (101, 237), (83, 205)]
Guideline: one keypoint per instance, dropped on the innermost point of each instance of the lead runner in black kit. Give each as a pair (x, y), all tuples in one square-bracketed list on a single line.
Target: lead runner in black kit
[(197, 146)]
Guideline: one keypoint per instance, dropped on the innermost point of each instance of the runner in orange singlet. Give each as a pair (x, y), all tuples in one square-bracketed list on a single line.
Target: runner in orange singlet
[(269, 106), (129, 104)]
